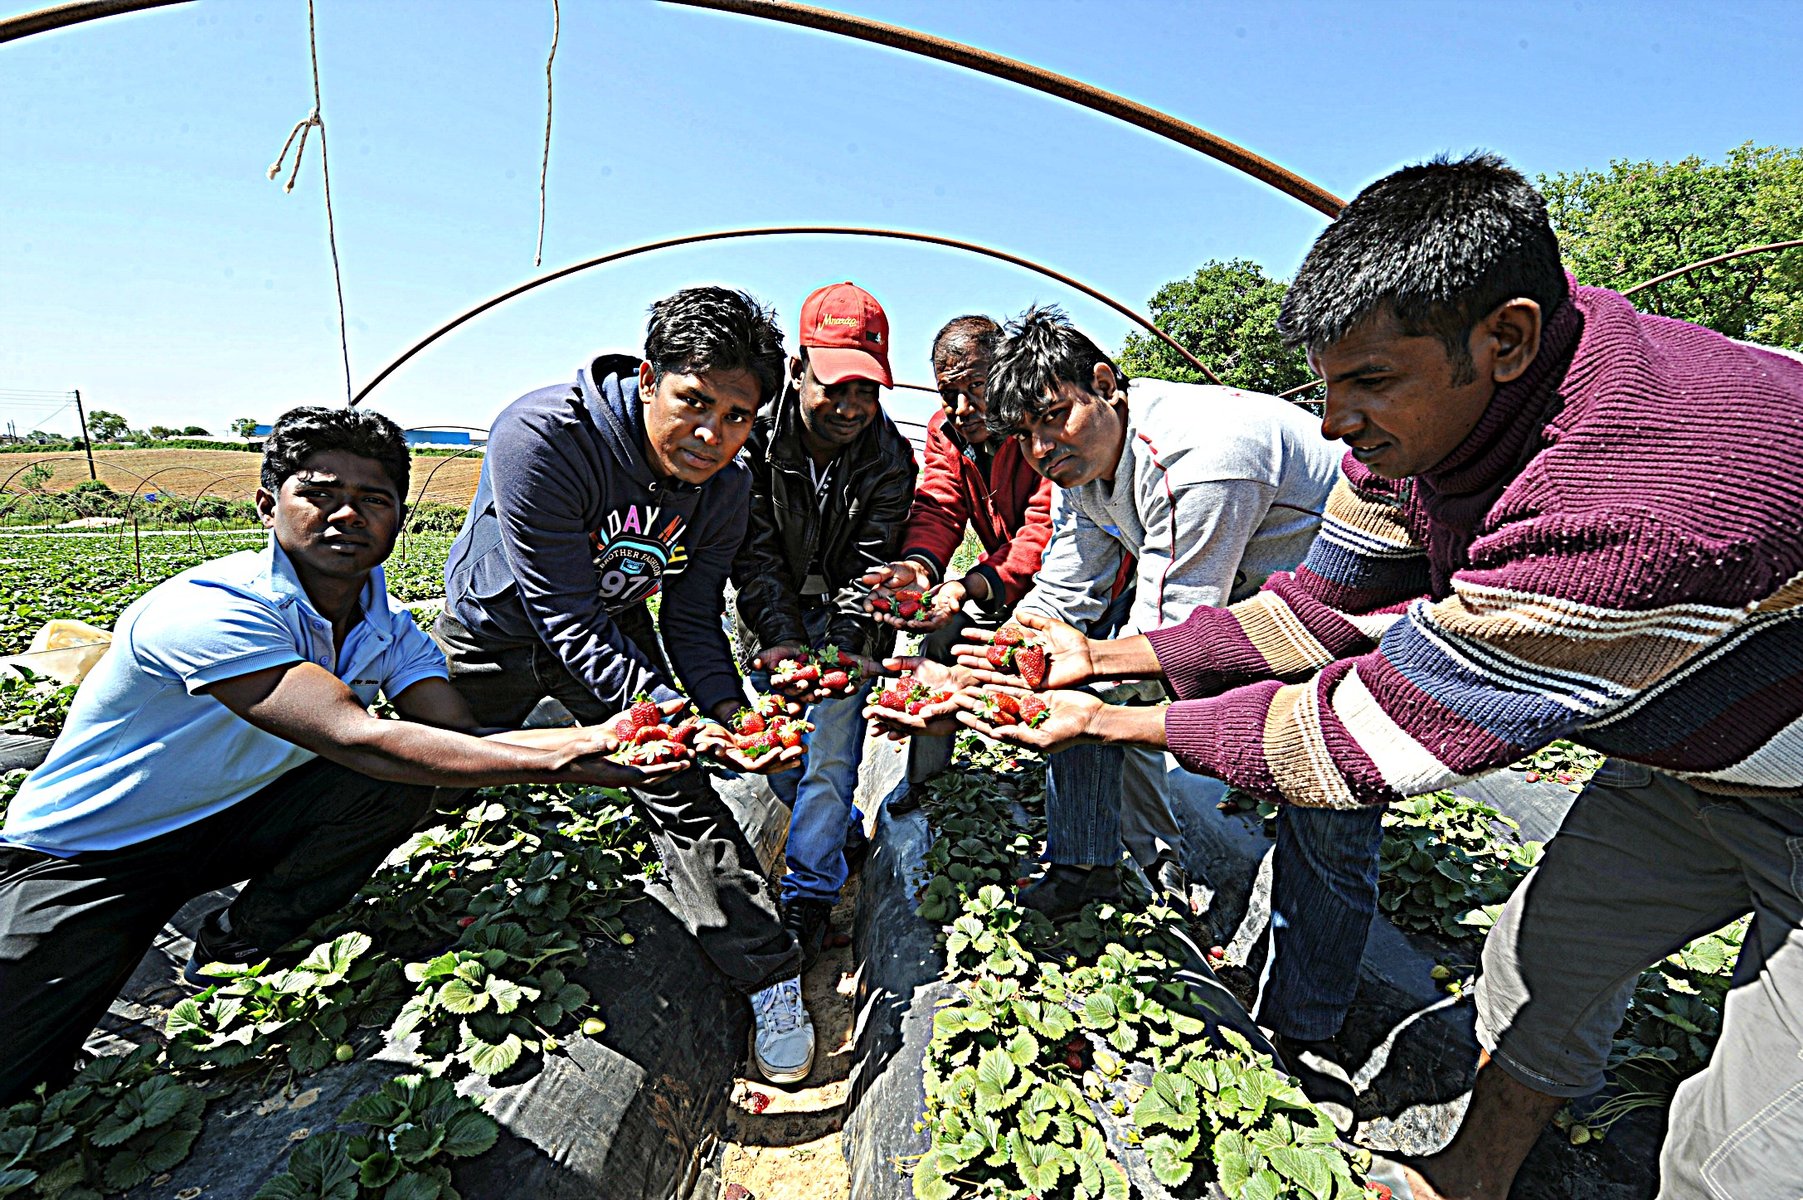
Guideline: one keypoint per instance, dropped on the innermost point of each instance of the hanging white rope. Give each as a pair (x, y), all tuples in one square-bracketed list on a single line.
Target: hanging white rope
[(544, 165), (301, 129)]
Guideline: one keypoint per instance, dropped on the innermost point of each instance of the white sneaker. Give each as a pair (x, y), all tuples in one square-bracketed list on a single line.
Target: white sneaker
[(783, 1050)]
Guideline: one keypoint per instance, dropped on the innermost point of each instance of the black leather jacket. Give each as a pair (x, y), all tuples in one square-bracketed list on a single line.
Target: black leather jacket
[(856, 525)]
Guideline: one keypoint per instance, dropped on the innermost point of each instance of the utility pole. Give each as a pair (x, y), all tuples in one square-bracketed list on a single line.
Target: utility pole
[(86, 444)]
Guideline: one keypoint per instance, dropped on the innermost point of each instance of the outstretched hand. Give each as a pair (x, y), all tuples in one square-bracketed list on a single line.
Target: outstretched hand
[(1068, 660), (930, 720), (1068, 720), (716, 741)]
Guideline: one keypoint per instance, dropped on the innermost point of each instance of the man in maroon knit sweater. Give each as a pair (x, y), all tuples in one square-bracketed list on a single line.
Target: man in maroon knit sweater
[(1558, 518), (971, 480)]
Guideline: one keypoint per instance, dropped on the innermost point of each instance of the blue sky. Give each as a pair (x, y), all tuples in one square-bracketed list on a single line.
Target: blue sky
[(147, 260)]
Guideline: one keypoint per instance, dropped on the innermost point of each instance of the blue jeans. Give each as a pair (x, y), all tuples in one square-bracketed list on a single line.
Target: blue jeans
[(820, 793), (1323, 896)]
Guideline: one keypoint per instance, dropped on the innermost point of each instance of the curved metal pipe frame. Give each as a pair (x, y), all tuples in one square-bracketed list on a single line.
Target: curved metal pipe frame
[(1063, 86), (781, 231)]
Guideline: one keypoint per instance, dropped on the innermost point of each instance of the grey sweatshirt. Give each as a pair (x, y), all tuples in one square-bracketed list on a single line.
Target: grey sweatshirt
[(1216, 489)]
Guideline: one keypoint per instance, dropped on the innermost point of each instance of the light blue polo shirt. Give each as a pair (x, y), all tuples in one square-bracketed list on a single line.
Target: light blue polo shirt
[(144, 753)]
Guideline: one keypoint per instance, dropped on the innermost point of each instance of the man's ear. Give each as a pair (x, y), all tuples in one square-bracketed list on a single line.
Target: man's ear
[(1102, 382), (265, 503), (1508, 340), (647, 381), (797, 371)]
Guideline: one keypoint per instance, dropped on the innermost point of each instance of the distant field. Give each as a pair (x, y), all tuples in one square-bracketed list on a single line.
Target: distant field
[(228, 473)]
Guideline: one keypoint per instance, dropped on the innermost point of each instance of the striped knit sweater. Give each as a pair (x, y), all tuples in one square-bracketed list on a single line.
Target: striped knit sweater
[(1614, 556)]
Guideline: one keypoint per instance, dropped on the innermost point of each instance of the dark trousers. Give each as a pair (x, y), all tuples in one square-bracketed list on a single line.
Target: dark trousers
[(73, 929), (716, 888)]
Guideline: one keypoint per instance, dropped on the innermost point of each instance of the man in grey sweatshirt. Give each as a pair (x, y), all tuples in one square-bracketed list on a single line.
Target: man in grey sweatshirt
[(1210, 490)]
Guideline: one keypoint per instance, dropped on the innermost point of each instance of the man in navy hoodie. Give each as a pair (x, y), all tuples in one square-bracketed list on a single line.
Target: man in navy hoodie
[(596, 496)]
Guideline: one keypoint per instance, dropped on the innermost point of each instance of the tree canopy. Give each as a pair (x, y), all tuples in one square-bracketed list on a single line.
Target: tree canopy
[(1637, 220), (1226, 315)]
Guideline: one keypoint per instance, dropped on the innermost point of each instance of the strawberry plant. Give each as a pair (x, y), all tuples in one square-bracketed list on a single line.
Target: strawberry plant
[(305, 1012), (1442, 857), (493, 998), (1563, 763), (415, 1122), (33, 704), (118, 1123)]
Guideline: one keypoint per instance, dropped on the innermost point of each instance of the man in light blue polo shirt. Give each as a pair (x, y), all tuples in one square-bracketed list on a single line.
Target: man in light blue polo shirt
[(226, 735)]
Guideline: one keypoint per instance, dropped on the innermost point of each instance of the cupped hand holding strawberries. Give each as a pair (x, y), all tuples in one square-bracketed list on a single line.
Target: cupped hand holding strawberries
[(802, 676), (764, 739), (921, 700), (900, 596), (643, 737), (1043, 721), (1030, 649)]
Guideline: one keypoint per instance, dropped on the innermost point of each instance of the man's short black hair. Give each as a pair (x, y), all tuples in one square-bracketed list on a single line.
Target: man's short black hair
[(300, 433), (959, 337), (711, 328), (1039, 350), (1439, 245)]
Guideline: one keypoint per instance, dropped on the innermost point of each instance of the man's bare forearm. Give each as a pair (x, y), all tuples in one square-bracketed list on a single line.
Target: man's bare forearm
[(407, 752), (1124, 658)]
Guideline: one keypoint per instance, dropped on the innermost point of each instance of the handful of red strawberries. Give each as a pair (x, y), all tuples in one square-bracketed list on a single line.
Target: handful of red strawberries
[(1015, 652), (907, 694), (765, 727), (830, 668), (905, 603), (1001, 709), (645, 740)]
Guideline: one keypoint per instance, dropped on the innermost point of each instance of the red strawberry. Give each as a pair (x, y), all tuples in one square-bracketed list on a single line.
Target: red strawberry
[(1029, 660), (757, 1102), (1000, 655), (894, 698), (907, 608), (914, 707), (1033, 710), (1074, 1061), (645, 713), (749, 720), (879, 603), (685, 733), (835, 680), (465, 922), (910, 596), (623, 728), (939, 697), (1010, 635), (651, 733), (1378, 1191), (788, 736), (1001, 709)]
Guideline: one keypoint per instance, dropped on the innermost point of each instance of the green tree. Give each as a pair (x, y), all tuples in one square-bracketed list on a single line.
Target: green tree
[(194, 431), (104, 426), (1636, 220), (245, 427), (160, 431), (1226, 315)]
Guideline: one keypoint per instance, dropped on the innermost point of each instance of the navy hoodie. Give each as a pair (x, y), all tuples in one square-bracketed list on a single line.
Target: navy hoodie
[(570, 525)]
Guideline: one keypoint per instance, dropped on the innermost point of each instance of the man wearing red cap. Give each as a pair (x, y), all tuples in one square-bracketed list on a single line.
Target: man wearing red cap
[(831, 482)]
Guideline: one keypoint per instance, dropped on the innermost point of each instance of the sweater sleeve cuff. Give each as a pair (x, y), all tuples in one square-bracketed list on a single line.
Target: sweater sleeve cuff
[(935, 568), (1203, 652), (997, 602), (1224, 737)]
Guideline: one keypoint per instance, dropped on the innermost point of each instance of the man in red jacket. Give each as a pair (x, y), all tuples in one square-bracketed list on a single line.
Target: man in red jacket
[(971, 480)]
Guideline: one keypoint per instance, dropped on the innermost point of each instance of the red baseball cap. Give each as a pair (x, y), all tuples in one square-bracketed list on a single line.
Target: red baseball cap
[(847, 335)]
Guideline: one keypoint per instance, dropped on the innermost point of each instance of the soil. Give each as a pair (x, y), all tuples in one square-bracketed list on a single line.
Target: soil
[(228, 473), (792, 1149)]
